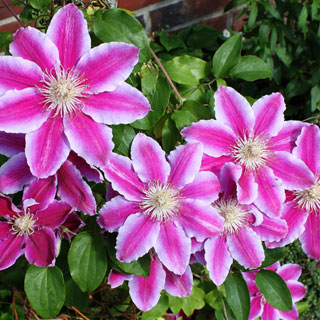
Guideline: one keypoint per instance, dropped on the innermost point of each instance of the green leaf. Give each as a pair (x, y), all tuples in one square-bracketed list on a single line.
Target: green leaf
[(122, 138), (272, 10), (118, 25), (158, 310), (315, 98), (39, 4), (283, 56), (302, 21), (75, 297), (45, 290), (175, 303), (87, 261), (227, 56), (251, 68), (5, 40), (170, 135), (186, 69), (253, 14), (238, 297), (273, 255), (170, 41), (194, 301), (214, 299), (274, 289)]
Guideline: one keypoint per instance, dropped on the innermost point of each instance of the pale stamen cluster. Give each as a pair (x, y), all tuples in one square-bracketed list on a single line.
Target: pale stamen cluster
[(62, 90), (309, 199), (251, 152), (160, 201), (23, 224), (235, 215)]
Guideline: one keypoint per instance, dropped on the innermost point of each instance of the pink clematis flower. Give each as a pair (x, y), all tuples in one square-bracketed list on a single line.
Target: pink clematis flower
[(163, 204), (245, 227), (145, 292), (61, 93), (302, 209), (30, 230), (290, 273), (258, 141)]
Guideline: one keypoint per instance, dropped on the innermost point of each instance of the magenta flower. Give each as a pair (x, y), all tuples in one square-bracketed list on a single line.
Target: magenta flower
[(30, 230), (145, 292), (245, 227), (290, 273), (61, 93), (163, 204), (302, 209), (257, 140)]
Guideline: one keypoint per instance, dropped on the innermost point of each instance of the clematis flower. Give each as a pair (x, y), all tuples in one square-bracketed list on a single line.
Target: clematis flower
[(164, 203), (302, 209), (258, 141), (61, 93), (145, 292), (290, 273), (30, 230), (245, 227)]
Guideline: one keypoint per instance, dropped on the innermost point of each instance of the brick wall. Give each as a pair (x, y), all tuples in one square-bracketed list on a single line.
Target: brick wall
[(156, 14)]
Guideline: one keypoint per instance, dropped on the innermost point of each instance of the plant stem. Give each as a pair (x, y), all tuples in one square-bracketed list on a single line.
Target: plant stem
[(13, 13)]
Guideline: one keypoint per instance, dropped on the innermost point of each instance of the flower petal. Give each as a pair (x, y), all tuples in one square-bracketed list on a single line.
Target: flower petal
[(68, 30), (115, 212), (246, 247), (7, 208), (290, 271), (310, 238), (173, 248), (179, 285), (26, 112), (11, 143), (269, 313), (90, 140), (10, 250), (218, 259), (297, 289), (125, 104), (73, 190), (47, 148), (31, 44), (136, 237), (293, 314), (247, 188), (5, 230), (185, 163), (14, 174), (116, 278), (107, 66), (41, 248), (120, 173), (217, 138), (214, 164), (148, 159), (232, 109), (256, 307), (268, 111), (145, 292)]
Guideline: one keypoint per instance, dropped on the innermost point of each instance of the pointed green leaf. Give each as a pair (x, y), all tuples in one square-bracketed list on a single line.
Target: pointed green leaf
[(158, 310), (193, 302), (273, 255)]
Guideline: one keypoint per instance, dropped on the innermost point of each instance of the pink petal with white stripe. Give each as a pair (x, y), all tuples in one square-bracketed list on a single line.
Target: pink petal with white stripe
[(47, 148), (125, 104), (116, 278), (218, 258), (179, 285), (14, 174), (148, 159), (41, 248), (269, 313), (68, 30), (216, 137), (10, 250), (300, 176), (247, 188), (5, 230), (205, 186), (73, 189), (287, 136), (297, 289), (271, 193), (173, 248), (308, 148), (18, 73), (256, 307), (21, 111), (199, 219), (246, 247), (293, 314), (90, 140), (214, 164), (229, 176), (107, 66), (145, 292), (120, 173), (289, 271), (11, 143), (136, 237), (310, 239), (7, 208), (185, 163), (268, 111), (115, 212), (232, 109), (31, 44)]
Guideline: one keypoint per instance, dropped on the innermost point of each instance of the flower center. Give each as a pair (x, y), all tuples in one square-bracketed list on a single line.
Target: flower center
[(23, 224), (62, 90), (309, 199), (160, 201), (251, 152), (235, 216)]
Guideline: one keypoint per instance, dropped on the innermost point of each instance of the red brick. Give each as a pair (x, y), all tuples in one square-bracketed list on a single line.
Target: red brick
[(135, 4), (13, 27), (200, 8), (218, 23), (238, 23), (5, 13)]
